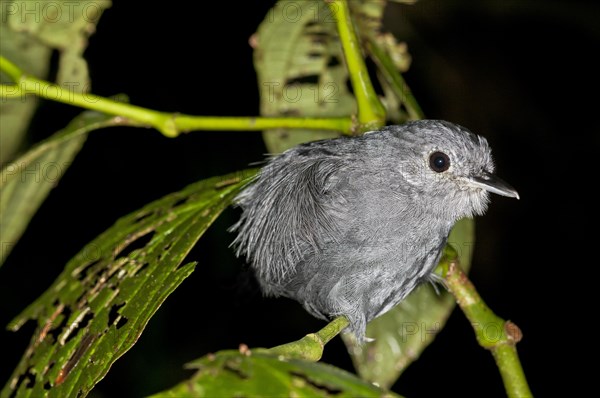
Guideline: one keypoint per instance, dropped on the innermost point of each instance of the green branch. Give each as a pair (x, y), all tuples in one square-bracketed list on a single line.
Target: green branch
[(311, 346), (394, 79), (371, 113), (169, 124), (492, 332), (10, 69)]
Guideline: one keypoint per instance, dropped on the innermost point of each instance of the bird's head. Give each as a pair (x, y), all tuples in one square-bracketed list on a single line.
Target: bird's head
[(447, 168)]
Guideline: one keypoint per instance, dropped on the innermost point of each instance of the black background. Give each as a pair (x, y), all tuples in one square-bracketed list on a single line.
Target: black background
[(520, 73)]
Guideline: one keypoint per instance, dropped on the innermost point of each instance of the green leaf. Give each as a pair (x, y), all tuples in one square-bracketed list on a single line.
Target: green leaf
[(301, 70), (29, 31), (66, 26), (99, 305), (301, 67), (61, 24), (403, 333), (34, 58), (232, 374), (25, 182)]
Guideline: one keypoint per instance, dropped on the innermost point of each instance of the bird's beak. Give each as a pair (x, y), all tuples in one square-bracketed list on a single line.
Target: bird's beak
[(491, 183)]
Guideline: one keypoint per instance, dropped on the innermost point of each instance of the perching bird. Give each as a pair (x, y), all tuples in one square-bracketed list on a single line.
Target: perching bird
[(350, 226)]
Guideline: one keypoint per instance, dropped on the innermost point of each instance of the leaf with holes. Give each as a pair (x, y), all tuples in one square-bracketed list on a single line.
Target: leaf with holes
[(232, 374), (25, 182), (402, 333), (99, 305), (301, 67), (301, 70)]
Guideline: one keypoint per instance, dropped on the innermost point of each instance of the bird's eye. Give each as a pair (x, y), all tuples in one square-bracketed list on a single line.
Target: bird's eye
[(439, 162)]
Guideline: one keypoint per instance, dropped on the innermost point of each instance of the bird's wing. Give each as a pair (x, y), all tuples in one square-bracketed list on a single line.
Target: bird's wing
[(290, 210)]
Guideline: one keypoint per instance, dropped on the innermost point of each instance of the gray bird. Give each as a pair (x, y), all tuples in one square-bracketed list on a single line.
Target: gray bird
[(350, 226)]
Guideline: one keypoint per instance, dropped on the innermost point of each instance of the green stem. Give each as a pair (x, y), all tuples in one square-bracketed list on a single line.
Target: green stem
[(27, 85), (10, 69), (371, 113), (511, 371), (311, 346), (394, 79), (188, 123), (169, 124), (492, 332)]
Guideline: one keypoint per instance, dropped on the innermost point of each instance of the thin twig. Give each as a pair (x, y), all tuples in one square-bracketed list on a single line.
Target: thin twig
[(169, 124)]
